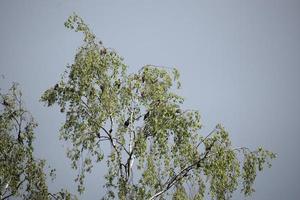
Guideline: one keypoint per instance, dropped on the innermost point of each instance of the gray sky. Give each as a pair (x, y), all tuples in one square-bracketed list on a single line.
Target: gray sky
[(239, 62)]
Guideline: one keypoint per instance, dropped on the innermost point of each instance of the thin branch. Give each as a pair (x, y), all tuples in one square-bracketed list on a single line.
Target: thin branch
[(17, 188), (183, 173), (109, 137), (100, 126), (53, 196), (203, 140), (6, 197)]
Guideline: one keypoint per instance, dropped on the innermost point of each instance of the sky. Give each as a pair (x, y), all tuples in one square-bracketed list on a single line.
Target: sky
[(239, 63)]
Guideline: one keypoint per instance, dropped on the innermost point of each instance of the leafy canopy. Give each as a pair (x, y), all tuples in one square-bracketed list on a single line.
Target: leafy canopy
[(22, 175), (156, 150)]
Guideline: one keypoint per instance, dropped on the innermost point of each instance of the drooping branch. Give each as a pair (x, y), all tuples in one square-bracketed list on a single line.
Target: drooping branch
[(204, 139), (180, 175), (110, 137), (6, 197)]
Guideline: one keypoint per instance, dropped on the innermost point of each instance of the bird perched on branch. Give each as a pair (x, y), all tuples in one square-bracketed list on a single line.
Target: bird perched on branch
[(146, 115), (127, 122)]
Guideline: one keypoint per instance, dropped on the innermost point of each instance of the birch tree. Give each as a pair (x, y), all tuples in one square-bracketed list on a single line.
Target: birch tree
[(156, 148), (22, 175)]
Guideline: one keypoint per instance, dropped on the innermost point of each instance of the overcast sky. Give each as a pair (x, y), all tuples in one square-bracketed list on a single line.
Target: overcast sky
[(239, 62)]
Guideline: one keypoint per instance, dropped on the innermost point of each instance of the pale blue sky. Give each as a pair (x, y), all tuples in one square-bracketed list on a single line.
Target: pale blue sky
[(239, 62)]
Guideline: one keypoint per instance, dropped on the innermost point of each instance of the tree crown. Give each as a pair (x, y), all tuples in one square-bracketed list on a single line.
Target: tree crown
[(156, 148)]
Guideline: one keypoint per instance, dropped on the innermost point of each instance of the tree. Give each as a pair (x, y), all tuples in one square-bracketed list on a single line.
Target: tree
[(21, 174), (156, 148)]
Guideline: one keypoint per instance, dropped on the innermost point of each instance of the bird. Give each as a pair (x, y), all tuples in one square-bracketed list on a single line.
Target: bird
[(126, 124), (178, 111), (103, 51), (146, 115), (5, 103), (102, 87)]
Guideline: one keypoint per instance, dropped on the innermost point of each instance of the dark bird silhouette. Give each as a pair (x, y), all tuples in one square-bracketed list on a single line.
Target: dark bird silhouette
[(146, 115), (126, 124), (118, 84), (5, 103), (102, 87), (103, 51)]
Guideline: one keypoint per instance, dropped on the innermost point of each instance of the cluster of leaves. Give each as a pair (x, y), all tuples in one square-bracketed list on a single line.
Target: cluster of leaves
[(156, 147), (21, 174)]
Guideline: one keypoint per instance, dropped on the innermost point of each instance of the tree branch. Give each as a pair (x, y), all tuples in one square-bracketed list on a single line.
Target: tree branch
[(6, 197), (183, 173), (203, 140)]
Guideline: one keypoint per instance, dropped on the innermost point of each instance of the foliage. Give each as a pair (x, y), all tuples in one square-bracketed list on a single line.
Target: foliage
[(156, 147), (21, 174)]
